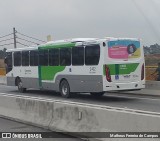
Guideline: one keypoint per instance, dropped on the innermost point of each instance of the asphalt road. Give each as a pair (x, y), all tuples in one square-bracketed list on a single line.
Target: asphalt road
[(7, 125), (136, 102)]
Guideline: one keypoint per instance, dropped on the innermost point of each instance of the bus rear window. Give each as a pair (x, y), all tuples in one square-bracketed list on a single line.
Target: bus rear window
[(124, 49)]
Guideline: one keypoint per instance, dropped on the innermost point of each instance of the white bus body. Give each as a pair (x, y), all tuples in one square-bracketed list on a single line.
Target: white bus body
[(78, 65)]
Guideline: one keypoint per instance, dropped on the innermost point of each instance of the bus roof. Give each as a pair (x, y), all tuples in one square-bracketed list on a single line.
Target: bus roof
[(20, 49), (74, 40), (71, 42), (68, 43), (56, 43)]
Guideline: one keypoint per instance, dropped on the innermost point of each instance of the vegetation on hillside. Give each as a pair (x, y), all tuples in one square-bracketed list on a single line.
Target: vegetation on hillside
[(152, 55)]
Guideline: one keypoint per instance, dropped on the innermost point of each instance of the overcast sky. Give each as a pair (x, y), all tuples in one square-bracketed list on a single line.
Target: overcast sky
[(64, 19)]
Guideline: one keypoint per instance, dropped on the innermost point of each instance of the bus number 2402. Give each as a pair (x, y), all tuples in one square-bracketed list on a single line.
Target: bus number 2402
[(92, 70)]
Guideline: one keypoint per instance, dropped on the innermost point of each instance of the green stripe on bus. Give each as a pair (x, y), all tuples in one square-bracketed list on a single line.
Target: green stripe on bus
[(39, 74), (118, 69), (67, 45), (49, 72)]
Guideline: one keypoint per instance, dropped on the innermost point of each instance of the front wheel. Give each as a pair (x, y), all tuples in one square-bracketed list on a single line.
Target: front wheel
[(97, 94), (65, 89), (20, 86)]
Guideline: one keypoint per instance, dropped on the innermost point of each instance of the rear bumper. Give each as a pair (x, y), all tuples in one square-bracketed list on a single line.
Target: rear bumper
[(124, 86)]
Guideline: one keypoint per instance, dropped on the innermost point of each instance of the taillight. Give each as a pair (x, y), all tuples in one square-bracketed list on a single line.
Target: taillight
[(108, 76), (142, 72)]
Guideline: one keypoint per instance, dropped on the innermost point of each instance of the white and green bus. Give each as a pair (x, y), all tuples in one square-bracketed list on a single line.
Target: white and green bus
[(84, 65)]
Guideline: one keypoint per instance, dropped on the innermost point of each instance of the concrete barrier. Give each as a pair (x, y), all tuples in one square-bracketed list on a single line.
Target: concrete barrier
[(77, 117), (34, 111)]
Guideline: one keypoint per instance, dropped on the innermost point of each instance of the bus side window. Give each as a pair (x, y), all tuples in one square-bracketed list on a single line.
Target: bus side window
[(17, 58), (34, 58), (54, 57), (65, 56), (25, 58), (78, 56), (92, 55), (43, 57)]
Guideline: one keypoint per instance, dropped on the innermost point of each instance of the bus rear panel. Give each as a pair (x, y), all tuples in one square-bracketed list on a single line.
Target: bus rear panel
[(123, 65)]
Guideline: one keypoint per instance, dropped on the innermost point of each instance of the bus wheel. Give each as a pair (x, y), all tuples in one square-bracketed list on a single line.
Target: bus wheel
[(20, 86), (97, 94), (65, 89)]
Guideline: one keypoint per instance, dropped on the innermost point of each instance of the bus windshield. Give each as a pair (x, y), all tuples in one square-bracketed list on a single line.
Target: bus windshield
[(124, 49)]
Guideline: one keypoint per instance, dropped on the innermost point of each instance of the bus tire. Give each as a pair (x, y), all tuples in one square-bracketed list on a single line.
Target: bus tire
[(20, 86), (65, 89), (97, 94)]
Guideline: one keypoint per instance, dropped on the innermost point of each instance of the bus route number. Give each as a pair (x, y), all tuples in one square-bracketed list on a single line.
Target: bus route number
[(92, 70)]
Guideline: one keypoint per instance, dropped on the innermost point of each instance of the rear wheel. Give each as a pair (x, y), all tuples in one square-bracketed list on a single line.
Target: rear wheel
[(97, 94), (20, 86), (65, 89)]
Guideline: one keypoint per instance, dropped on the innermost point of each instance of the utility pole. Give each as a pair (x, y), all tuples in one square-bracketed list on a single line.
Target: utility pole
[(14, 34)]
